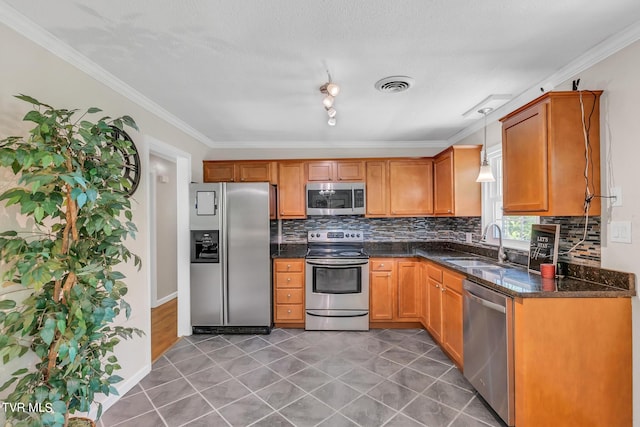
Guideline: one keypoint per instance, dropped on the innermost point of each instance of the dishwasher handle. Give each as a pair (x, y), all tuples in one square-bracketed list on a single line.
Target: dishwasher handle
[(484, 302)]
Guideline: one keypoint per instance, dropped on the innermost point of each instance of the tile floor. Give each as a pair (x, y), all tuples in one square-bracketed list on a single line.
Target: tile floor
[(392, 378)]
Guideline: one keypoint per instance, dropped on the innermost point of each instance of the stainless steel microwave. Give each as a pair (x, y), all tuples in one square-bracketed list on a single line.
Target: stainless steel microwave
[(335, 198)]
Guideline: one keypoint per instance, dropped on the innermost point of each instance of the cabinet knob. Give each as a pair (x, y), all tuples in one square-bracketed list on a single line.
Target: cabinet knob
[(443, 289), (388, 274), (288, 295), (288, 266), (241, 179), (381, 265), (289, 311), (449, 211), (288, 279), (437, 286)]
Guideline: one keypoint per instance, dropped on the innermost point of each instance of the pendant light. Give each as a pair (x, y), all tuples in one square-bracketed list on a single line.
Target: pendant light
[(485, 175), (330, 90)]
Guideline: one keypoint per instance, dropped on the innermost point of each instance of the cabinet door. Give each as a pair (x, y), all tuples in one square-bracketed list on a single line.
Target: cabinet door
[(524, 154), (434, 323), (376, 187), (409, 289), (381, 295), (254, 172), (291, 199), (443, 186), (349, 171), (411, 187), (452, 316), (424, 296), (218, 171), (320, 171)]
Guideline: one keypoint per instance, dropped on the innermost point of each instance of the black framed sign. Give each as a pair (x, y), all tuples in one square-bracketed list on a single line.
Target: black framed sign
[(543, 248)]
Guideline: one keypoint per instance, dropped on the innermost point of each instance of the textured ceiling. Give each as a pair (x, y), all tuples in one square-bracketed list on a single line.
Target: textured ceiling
[(247, 73)]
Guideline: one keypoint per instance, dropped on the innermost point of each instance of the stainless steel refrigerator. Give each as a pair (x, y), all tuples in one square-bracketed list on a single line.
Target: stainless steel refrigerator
[(230, 258)]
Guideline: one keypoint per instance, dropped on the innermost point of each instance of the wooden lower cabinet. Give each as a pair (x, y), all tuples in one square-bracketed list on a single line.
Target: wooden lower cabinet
[(288, 288), (573, 362), (452, 315), (442, 308), (394, 290), (382, 289)]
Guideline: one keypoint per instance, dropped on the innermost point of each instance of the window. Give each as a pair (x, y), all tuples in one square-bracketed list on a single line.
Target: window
[(516, 230)]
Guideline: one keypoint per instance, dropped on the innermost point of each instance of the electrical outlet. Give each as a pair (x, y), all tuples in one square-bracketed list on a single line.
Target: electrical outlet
[(468, 237), (616, 194)]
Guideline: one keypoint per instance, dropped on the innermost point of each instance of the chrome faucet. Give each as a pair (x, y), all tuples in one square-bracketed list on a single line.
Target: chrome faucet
[(502, 257)]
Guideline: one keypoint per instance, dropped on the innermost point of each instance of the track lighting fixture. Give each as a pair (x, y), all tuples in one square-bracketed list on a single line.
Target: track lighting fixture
[(330, 90)]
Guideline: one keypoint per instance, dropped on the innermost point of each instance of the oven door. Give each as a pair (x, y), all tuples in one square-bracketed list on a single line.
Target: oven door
[(337, 284)]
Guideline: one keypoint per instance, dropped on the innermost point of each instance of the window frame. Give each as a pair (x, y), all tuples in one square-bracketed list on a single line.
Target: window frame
[(492, 193)]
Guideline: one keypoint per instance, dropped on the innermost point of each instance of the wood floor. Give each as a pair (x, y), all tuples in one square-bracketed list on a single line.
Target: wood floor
[(164, 327)]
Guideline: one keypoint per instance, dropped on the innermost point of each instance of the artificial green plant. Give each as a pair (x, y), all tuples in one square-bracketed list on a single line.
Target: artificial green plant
[(69, 182)]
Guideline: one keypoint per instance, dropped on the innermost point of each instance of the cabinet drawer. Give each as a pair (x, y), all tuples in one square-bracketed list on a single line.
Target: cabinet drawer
[(381, 265), (452, 281), (289, 296), (435, 273), (290, 265), (289, 312), (289, 280)]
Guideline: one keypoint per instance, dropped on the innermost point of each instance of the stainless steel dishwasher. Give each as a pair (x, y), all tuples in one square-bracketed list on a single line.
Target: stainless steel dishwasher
[(488, 347)]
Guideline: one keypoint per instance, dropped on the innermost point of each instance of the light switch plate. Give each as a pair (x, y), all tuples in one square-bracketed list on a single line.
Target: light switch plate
[(620, 231)]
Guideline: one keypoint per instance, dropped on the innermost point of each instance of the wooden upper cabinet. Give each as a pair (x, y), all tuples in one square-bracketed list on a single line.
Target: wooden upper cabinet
[(335, 170), (349, 170), (411, 187), (291, 190), (320, 171), (213, 171), (376, 188), (256, 171), (239, 171), (543, 152), (456, 192)]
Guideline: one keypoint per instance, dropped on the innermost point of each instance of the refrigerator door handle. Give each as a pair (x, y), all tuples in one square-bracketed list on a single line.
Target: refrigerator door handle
[(225, 259)]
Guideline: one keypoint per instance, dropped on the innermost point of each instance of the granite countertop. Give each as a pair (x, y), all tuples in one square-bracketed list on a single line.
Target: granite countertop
[(511, 279)]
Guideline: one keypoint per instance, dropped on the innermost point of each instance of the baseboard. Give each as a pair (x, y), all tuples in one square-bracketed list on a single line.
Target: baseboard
[(164, 300), (123, 388)]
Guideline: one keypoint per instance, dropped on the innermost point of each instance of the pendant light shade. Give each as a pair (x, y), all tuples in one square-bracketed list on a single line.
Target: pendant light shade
[(486, 174)]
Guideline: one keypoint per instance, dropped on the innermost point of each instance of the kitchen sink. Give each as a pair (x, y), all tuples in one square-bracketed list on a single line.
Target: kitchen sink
[(472, 263)]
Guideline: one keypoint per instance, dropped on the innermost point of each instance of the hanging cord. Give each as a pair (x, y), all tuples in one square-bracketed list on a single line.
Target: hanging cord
[(588, 196)]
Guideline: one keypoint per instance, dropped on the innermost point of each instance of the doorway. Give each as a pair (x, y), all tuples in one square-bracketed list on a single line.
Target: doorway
[(169, 177)]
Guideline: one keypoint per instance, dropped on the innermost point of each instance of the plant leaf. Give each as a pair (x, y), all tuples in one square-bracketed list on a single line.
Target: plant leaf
[(7, 304)]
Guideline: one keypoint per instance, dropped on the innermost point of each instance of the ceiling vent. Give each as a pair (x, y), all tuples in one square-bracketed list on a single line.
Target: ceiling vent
[(394, 84)]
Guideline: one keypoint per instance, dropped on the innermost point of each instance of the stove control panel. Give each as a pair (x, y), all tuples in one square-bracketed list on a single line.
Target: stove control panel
[(335, 236)]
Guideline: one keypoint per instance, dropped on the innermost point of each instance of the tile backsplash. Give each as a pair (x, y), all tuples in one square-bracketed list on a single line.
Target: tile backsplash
[(452, 229)]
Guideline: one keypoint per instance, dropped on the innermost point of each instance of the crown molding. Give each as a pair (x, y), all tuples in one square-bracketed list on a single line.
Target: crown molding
[(303, 145), (597, 54), (27, 28)]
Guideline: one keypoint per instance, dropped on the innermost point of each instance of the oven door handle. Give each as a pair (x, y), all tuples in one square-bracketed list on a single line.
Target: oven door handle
[(337, 262)]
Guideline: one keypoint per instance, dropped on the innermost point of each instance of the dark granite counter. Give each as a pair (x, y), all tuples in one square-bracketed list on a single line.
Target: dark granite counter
[(511, 279)]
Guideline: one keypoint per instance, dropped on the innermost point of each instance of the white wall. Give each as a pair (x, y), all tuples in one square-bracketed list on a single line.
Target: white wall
[(166, 236), (27, 68)]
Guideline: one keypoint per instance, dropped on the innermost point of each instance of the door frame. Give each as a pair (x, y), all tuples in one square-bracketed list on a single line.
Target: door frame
[(183, 179)]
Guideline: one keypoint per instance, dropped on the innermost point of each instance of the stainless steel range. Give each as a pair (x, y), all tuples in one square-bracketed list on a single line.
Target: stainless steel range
[(337, 281)]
